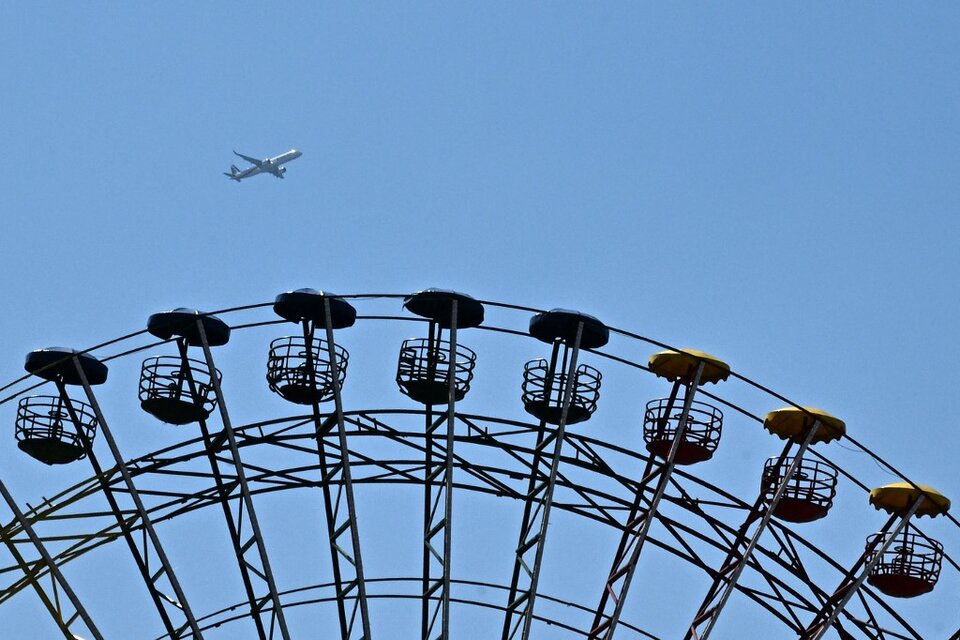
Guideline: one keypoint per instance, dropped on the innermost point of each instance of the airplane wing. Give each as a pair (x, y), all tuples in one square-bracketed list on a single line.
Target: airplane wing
[(253, 161)]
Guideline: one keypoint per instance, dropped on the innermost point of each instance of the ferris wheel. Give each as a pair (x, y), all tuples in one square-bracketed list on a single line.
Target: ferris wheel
[(279, 503)]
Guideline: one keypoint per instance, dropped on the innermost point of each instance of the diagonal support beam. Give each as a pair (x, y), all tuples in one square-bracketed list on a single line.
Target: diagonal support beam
[(608, 596), (342, 528), (255, 543), (182, 622), (828, 615), (737, 560), (518, 617), (53, 603), (636, 530), (322, 427), (224, 488)]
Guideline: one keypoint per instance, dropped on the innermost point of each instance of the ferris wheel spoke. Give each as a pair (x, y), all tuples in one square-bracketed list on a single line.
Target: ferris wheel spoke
[(740, 551), (340, 590), (872, 622), (855, 577), (253, 553), (224, 487), (438, 506), (538, 502), (868, 610), (150, 547), (789, 553), (635, 532), (783, 601), (685, 533), (59, 610), (335, 473)]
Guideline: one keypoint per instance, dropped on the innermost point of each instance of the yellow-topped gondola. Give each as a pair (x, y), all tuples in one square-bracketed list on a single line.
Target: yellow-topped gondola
[(682, 365), (793, 423), (897, 498)]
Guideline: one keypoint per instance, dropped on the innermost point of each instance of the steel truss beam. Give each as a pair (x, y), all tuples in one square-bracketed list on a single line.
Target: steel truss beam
[(777, 563), (343, 534), (57, 608), (252, 553), (725, 580), (638, 525), (224, 488), (853, 580), (538, 503), (438, 506), (156, 580)]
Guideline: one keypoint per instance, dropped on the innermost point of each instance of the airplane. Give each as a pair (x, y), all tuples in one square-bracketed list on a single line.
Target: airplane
[(267, 165)]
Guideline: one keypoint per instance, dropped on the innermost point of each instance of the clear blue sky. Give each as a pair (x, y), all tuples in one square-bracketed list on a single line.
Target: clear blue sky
[(775, 184)]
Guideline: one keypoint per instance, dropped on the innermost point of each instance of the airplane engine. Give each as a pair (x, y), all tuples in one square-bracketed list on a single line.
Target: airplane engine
[(282, 170)]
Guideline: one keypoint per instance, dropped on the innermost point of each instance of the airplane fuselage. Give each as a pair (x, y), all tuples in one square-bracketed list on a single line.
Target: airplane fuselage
[(267, 165), (293, 154)]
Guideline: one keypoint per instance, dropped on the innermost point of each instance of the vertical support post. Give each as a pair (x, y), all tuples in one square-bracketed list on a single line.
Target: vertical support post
[(53, 605), (606, 628), (321, 427), (533, 534), (430, 505), (346, 482), (828, 613), (737, 563), (448, 471), (437, 522), (223, 491), (150, 540), (264, 570)]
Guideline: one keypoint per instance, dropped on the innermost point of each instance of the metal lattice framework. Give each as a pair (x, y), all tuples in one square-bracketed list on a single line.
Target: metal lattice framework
[(345, 460)]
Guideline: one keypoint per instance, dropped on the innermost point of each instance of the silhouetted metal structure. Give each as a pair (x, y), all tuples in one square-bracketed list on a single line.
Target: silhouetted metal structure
[(647, 488)]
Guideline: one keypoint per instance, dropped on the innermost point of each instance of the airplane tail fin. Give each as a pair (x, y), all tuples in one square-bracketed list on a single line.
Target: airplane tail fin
[(233, 173)]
